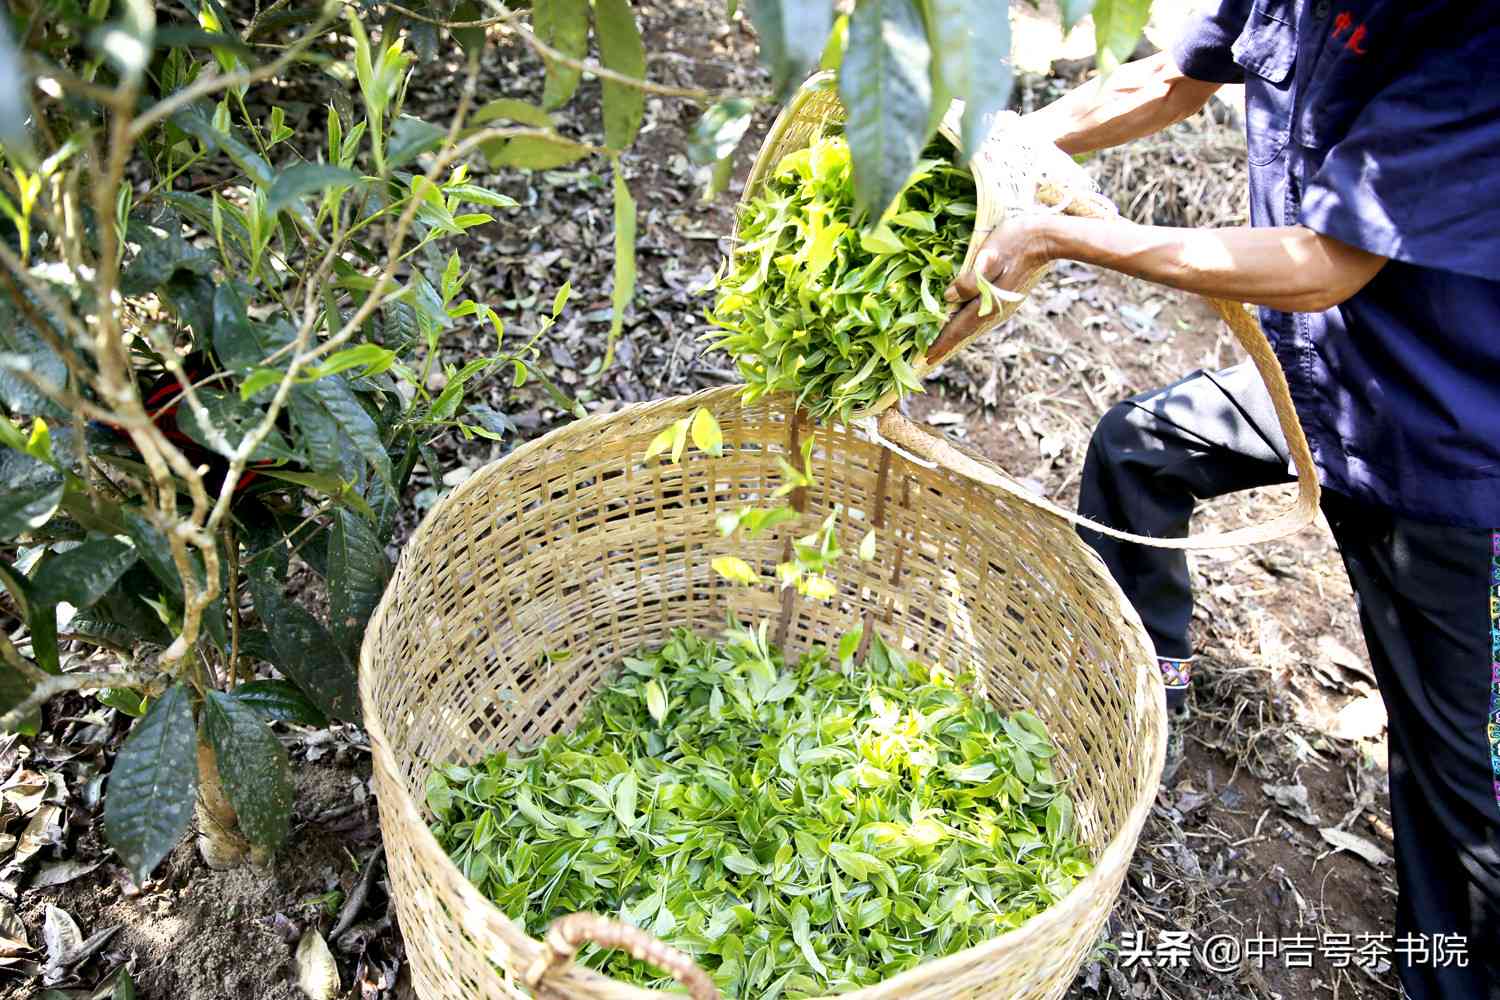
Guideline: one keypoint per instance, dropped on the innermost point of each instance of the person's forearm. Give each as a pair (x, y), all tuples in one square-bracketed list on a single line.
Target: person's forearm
[(1290, 268), (1137, 99)]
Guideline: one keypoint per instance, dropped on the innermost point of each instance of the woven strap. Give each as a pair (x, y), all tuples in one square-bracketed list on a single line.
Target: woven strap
[(1246, 330), (568, 934)]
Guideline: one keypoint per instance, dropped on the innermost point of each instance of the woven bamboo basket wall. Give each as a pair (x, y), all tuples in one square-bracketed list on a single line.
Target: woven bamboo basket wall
[(574, 543)]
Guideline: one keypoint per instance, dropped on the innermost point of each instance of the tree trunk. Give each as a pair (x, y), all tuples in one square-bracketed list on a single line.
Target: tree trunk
[(220, 843)]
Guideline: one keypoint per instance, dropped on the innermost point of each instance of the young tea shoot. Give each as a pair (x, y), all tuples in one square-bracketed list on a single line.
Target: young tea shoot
[(840, 314), (800, 829)]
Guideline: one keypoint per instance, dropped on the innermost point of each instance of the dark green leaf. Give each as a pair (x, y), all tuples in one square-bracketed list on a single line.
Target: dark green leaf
[(239, 341), (199, 211), (181, 36), (719, 130), (164, 254), (312, 658), (149, 799), (511, 109), (14, 687), (124, 986), (42, 620), (410, 138), (191, 296), (278, 701), (357, 573), (305, 178), (621, 50), (564, 26), (27, 508), (1117, 27), (253, 768), (199, 124), (154, 550), (469, 39), (14, 86), (884, 85), (330, 421), (792, 35), (121, 614), (972, 41), (235, 418), (306, 652), (83, 574), (43, 363), (534, 152), (255, 643), (1074, 11)]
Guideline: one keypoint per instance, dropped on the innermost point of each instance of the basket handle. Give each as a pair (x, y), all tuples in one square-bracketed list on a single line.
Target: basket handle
[(568, 934), (1245, 329)]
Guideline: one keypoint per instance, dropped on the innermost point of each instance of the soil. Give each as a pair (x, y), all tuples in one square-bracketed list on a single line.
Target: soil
[(1281, 650)]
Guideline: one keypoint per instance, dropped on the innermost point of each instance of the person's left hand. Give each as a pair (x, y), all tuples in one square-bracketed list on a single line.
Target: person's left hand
[(1009, 256)]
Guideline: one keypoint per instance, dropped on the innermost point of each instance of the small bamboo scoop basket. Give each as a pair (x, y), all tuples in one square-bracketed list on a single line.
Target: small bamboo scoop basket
[(1014, 174)]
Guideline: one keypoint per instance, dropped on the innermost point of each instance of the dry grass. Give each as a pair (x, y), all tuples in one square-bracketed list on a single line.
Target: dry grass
[(1192, 174)]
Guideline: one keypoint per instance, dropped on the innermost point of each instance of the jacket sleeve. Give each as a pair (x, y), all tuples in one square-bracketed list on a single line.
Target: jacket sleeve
[(1202, 50)]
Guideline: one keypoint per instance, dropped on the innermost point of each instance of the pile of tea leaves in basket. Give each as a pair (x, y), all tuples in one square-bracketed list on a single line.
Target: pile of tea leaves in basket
[(815, 303), (799, 828)]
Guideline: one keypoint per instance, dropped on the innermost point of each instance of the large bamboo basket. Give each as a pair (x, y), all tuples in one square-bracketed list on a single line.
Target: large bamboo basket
[(574, 543)]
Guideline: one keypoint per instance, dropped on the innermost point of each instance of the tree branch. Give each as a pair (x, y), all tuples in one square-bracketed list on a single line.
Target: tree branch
[(52, 685), (214, 82)]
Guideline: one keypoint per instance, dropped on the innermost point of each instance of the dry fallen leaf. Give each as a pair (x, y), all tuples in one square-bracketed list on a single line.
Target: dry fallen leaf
[(945, 418), (1293, 801), (317, 972), (61, 935), (61, 872), (1343, 840), (1340, 655), (1361, 719), (25, 790), (39, 832), (13, 939)]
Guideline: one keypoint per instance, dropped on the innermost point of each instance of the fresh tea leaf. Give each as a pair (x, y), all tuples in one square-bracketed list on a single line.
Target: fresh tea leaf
[(735, 570), (706, 434)]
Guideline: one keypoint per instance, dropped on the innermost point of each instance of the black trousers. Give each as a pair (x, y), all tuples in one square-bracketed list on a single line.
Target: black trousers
[(1429, 602)]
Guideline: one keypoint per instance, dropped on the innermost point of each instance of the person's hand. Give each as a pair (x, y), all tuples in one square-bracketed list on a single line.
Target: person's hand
[(1010, 255)]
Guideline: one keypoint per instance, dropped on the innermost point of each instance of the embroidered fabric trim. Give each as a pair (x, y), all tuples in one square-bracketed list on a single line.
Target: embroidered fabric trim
[(1494, 726), (1179, 673)]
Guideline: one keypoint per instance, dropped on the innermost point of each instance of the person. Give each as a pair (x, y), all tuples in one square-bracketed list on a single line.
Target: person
[(1373, 136)]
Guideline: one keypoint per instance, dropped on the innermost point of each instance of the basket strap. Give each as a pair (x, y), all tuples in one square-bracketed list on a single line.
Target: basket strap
[(1248, 332), (568, 934)]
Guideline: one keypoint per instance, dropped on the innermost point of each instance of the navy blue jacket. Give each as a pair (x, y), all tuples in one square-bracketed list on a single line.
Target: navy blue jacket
[(1377, 122)]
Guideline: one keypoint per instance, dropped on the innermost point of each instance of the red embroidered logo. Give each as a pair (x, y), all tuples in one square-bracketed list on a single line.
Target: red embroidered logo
[(1345, 23)]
